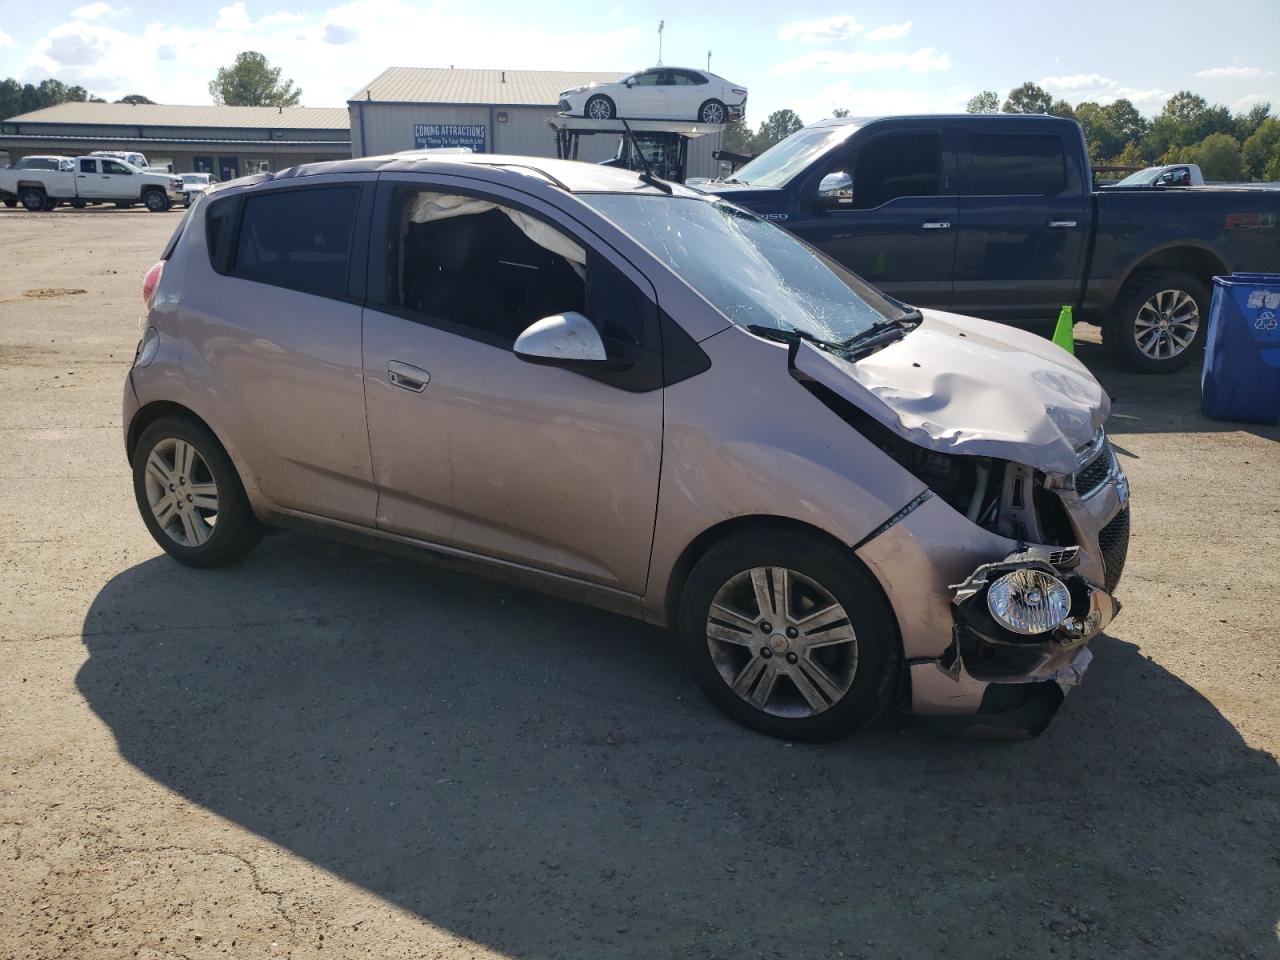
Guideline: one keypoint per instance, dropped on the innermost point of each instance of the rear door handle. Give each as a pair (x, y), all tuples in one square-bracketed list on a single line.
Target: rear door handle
[(936, 225), (1062, 224), (407, 376)]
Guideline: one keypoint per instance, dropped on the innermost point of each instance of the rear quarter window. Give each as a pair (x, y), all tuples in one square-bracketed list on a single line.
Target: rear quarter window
[(1016, 165), (300, 239)]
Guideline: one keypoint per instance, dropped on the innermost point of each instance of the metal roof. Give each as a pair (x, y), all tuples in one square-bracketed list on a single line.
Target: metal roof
[(535, 88), (166, 115)]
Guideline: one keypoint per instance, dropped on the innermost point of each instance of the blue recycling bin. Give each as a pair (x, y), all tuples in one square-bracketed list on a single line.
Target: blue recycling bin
[(1241, 375)]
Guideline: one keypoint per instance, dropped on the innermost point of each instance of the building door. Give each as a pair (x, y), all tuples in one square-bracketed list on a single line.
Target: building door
[(202, 164), (228, 168)]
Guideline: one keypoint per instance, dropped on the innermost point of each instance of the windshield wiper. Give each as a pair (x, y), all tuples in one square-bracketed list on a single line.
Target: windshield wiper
[(884, 331), (783, 335)]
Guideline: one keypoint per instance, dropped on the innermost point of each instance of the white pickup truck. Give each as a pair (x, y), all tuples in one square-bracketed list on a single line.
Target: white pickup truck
[(91, 180)]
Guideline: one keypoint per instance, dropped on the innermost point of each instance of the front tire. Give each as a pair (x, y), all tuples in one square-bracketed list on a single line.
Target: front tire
[(33, 199), (789, 635), (599, 107), (190, 495), (155, 201), (1159, 321), (712, 111)]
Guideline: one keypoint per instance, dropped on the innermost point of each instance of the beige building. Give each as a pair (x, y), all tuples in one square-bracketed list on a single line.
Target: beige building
[(488, 111), (226, 141)]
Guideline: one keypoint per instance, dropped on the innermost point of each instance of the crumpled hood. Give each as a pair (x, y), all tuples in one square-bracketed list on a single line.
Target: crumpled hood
[(961, 385)]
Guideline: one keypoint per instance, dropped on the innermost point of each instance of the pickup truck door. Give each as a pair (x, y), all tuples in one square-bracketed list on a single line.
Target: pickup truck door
[(897, 229), (1022, 225), (90, 182), (118, 181)]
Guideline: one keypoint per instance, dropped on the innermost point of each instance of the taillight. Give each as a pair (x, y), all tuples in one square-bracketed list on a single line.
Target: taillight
[(150, 282)]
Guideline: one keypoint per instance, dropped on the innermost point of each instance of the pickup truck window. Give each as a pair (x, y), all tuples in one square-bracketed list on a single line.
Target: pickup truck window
[(1004, 165), (777, 165), (113, 166), (897, 165), (88, 165)]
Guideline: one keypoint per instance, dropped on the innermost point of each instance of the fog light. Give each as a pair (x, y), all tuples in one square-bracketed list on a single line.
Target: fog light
[(1029, 601)]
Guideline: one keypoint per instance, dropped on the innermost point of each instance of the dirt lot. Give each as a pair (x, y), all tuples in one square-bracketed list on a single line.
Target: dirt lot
[(325, 752)]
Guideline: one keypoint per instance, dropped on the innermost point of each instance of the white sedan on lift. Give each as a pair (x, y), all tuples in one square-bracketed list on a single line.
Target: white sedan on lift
[(659, 93)]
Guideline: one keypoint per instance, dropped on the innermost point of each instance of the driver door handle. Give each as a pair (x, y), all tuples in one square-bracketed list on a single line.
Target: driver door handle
[(936, 225), (407, 376)]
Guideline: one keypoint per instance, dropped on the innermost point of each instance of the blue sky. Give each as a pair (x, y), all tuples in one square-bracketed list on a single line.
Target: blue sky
[(810, 56)]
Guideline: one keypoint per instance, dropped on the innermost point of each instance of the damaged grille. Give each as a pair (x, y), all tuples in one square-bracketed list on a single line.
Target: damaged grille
[(1094, 472), (1113, 540)]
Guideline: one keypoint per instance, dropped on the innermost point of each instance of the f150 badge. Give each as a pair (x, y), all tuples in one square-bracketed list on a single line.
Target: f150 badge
[(775, 216)]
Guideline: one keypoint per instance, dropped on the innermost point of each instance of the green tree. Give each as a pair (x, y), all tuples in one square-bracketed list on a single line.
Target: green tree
[(777, 126), (1123, 117), (10, 98), (840, 112), (1131, 156), (737, 136), (1060, 108), (1247, 123), (16, 98), (1218, 156), (1272, 173), (135, 98), (1028, 98), (986, 101), (1186, 120), (1261, 149), (252, 82)]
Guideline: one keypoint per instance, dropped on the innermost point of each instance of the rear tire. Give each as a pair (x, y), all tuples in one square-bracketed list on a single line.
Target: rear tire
[(190, 495), (712, 111), (33, 199), (833, 654), (1159, 321), (599, 107)]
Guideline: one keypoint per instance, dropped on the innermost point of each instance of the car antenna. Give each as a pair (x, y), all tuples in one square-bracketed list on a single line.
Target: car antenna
[(647, 176)]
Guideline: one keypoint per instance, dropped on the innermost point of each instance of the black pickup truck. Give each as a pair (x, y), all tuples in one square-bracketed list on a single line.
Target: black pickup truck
[(996, 216)]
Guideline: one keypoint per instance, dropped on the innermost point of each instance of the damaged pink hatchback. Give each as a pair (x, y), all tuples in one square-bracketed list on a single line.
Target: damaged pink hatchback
[(640, 397)]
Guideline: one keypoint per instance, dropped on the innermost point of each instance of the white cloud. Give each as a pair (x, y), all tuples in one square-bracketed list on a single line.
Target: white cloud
[(1235, 73), (1078, 81), (5, 40), (234, 17), (890, 31), (828, 28), (173, 61), (91, 11), (924, 60)]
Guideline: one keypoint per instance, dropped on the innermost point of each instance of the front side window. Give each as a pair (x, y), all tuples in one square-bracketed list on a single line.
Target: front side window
[(646, 79), (1003, 165), (115, 166), (897, 165), (754, 273), (489, 271), (300, 239), (777, 165)]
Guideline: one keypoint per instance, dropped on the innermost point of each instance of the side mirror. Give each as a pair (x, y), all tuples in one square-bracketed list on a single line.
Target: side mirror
[(562, 340), (631, 81), (836, 190)]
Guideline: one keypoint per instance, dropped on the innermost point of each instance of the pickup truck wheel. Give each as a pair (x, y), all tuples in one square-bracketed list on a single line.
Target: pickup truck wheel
[(33, 199), (1158, 322), (155, 201)]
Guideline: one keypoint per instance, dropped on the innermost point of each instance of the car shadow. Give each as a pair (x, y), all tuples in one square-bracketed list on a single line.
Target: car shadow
[(544, 779)]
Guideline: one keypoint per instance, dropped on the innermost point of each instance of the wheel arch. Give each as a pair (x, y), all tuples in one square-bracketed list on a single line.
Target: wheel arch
[(156, 410), (753, 523), (1200, 261)]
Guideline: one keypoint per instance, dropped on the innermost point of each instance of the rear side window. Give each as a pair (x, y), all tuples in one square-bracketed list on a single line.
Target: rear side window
[(300, 239), (220, 226), (1002, 165)]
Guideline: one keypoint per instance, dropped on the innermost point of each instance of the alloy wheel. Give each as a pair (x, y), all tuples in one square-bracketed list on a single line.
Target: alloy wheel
[(181, 492), (713, 113), (782, 642), (599, 109), (1166, 324)]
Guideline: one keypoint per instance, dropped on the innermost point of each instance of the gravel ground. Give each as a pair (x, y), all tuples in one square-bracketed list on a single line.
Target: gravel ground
[(329, 753)]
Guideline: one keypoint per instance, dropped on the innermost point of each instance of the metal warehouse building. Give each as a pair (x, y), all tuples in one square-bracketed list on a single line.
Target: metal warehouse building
[(488, 111), (226, 141)]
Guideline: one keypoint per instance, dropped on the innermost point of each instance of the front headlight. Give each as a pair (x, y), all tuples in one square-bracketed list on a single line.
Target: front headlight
[(1029, 601)]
